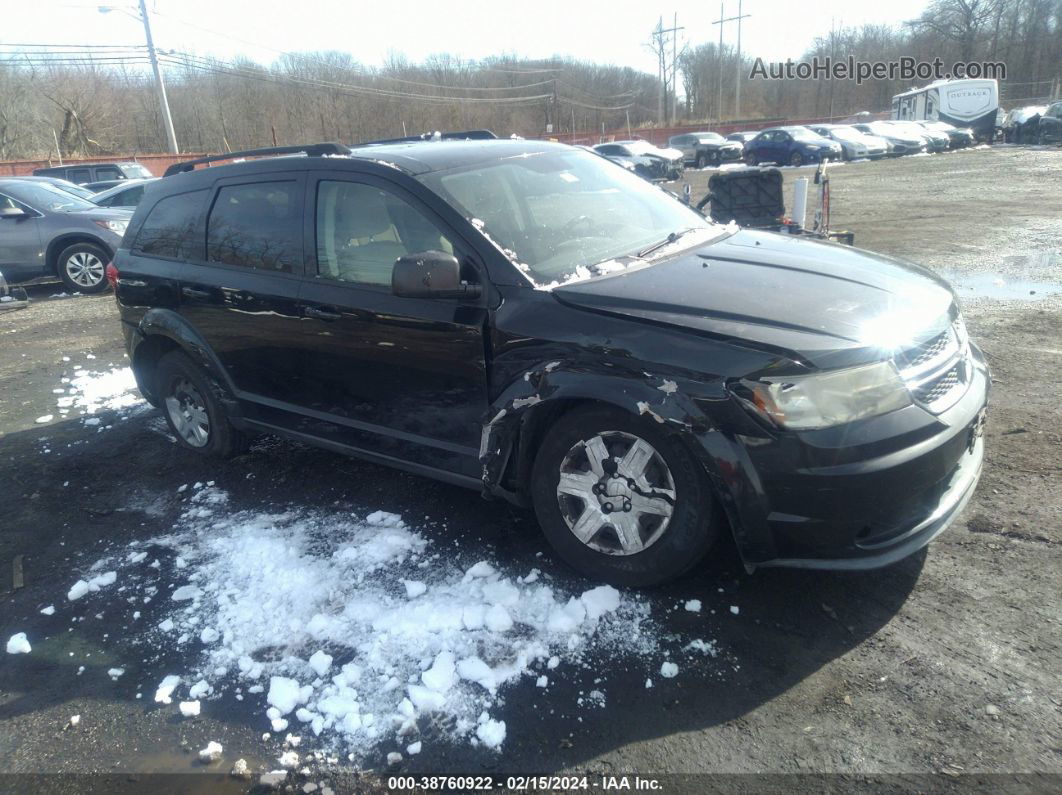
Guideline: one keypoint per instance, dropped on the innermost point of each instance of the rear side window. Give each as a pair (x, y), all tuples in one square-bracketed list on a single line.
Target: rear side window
[(169, 229), (80, 175), (257, 225), (108, 172)]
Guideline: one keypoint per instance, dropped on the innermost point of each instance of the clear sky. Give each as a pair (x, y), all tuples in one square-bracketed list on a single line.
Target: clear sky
[(607, 32)]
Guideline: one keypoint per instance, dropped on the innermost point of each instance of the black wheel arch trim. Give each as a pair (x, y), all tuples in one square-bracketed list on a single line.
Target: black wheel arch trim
[(161, 322), (513, 426)]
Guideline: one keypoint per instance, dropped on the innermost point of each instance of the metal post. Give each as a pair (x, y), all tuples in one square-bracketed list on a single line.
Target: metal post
[(737, 77), (167, 121), (674, 69), (719, 112)]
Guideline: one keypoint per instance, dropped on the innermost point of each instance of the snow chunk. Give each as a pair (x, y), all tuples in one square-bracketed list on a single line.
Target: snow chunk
[(185, 593), (165, 689), (212, 753), (669, 670), (115, 673), (491, 733), (189, 708), (443, 673), (320, 662), (600, 600), (414, 588), (693, 605), (18, 644), (75, 720), (48, 611), (285, 694), (735, 609), (414, 748)]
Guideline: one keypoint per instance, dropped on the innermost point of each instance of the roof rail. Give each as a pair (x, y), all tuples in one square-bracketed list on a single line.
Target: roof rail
[(310, 150), (465, 135)]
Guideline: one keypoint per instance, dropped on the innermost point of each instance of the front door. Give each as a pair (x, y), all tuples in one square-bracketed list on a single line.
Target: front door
[(400, 377), (21, 254), (243, 297)]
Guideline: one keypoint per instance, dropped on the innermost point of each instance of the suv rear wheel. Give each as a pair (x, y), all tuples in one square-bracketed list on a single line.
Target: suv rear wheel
[(82, 268), (620, 500), (196, 417)]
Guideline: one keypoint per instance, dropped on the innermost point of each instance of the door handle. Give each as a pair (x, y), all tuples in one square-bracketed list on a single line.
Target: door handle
[(191, 292), (321, 314)]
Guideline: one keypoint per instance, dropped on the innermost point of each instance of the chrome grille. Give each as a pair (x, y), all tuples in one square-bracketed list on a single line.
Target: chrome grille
[(936, 371)]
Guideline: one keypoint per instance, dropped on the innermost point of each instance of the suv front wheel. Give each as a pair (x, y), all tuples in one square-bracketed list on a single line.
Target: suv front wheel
[(620, 499), (82, 268), (193, 412)]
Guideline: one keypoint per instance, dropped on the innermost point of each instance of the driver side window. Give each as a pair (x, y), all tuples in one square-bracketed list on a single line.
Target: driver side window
[(362, 229)]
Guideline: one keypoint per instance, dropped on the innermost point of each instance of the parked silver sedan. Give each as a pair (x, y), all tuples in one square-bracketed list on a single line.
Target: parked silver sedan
[(855, 144)]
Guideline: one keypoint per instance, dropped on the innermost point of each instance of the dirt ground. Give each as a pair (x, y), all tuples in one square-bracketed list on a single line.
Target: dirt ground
[(940, 672)]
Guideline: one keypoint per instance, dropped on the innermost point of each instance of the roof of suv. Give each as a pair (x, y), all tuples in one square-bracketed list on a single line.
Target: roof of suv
[(414, 158)]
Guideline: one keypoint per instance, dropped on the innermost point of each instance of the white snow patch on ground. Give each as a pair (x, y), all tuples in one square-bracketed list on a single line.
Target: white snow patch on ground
[(315, 610), (18, 644)]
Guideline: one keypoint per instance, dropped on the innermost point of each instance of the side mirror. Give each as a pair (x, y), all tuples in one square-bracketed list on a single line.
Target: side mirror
[(430, 274), (12, 212)]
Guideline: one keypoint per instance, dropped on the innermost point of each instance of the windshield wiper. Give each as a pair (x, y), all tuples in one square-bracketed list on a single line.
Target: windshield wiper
[(667, 240)]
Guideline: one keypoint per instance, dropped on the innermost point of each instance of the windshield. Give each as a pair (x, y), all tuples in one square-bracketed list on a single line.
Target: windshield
[(45, 196), (802, 134), (709, 137), (642, 147), (567, 215)]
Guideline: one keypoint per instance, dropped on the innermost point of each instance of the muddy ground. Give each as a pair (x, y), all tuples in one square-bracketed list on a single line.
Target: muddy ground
[(947, 664)]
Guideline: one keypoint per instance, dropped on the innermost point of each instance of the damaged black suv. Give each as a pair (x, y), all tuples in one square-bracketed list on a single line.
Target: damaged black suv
[(535, 322)]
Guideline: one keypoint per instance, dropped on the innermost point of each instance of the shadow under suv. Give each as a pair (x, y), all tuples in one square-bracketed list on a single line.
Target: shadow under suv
[(532, 321)]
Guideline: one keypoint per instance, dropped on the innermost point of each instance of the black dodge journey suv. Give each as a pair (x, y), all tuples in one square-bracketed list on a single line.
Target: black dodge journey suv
[(533, 321)]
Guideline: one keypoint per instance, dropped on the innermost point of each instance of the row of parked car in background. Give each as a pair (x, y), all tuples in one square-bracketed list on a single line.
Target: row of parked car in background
[(1033, 124), (793, 145), (67, 221)]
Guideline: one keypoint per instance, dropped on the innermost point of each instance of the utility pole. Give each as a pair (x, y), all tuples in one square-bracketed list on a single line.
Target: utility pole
[(167, 121), (660, 34), (737, 76), (723, 19)]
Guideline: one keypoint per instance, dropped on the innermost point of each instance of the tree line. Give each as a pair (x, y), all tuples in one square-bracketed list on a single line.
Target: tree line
[(98, 100)]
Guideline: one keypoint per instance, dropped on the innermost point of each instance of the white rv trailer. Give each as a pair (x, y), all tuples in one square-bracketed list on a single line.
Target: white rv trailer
[(964, 103)]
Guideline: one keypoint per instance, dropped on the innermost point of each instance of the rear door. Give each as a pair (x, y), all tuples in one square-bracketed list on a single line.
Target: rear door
[(242, 295), (401, 377)]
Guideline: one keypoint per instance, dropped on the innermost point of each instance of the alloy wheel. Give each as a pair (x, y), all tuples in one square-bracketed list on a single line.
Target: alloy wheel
[(85, 269), (187, 412), (616, 493)]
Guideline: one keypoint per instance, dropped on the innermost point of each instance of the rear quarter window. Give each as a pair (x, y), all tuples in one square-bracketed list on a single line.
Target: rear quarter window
[(169, 230), (257, 225)]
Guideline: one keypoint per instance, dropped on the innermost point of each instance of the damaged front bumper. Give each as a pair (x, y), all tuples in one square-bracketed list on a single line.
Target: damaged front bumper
[(795, 503)]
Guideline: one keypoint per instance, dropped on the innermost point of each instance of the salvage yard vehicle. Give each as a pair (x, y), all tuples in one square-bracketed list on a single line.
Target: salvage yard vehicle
[(45, 231), (706, 148), (647, 160), (935, 141), (854, 144), (958, 138), (901, 142), (126, 194), (1049, 130), (85, 173), (1022, 125), (524, 319), (790, 146)]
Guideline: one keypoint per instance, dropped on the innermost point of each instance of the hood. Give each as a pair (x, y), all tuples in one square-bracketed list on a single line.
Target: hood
[(826, 304), (103, 214)]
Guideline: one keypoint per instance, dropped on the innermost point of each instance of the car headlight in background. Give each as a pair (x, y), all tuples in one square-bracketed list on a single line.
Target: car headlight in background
[(822, 400), (118, 227)]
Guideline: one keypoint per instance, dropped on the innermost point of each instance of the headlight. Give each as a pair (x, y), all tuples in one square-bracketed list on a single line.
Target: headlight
[(118, 227), (823, 400)]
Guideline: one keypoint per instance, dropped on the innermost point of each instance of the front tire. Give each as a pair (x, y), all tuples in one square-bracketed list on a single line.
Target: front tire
[(751, 159), (702, 160), (195, 415), (796, 159), (82, 268), (620, 499)]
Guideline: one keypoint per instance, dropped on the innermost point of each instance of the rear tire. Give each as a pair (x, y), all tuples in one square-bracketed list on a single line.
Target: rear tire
[(194, 413), (751, 159), (702, 160), (658, 495), (796, 159), (82, 268)]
